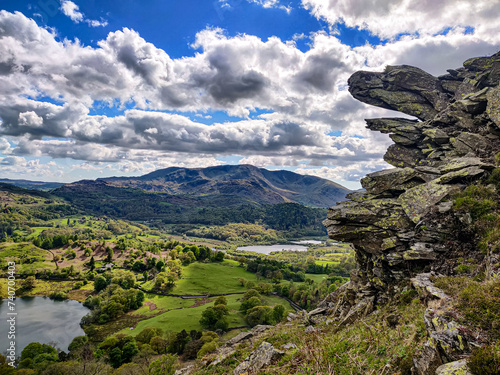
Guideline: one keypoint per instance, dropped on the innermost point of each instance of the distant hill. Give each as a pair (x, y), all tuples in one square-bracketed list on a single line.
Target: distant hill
[(211, 196), (249, 183), (34, 185)]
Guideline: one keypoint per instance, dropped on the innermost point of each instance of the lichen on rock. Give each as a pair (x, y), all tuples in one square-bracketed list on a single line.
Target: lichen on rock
[(402, 224)]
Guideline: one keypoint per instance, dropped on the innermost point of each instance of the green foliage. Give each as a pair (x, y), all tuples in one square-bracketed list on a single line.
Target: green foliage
[(478, 302), (485, 360), (165, 365), (260, 315), (100, 283), (214, 317), (476, 200), (148, 333), (37, 356), (78, 342)]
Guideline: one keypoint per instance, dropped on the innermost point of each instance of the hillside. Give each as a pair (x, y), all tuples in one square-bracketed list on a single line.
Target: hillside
[(211, 196), (247, 182), (424, 298)]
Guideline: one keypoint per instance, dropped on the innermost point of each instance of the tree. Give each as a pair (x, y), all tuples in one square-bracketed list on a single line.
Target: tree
[(219, 256), (221, 300), (259, 315), (278, 313), (249, 304), (28, 283), (100, 283), (166, 365)]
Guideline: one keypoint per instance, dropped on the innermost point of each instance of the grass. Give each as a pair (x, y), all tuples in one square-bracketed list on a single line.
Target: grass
[(477, 302), (182, 317), (318, 278), (369, 346), (213, 278)]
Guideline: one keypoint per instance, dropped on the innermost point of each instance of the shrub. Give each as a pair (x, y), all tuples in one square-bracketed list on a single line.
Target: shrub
[(485, 361)]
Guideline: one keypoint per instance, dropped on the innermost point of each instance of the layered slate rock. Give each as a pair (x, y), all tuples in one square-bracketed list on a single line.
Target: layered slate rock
[(402, 224)]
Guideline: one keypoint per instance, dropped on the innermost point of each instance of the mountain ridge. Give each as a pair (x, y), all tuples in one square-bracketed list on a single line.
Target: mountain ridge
[(255, 184)]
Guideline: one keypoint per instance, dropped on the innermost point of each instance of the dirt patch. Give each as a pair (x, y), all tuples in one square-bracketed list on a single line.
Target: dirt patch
[(201, 302), (151, 305)]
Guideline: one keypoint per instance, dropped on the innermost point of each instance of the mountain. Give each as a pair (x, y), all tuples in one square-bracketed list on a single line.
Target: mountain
[(248, 183), (34, 185), (211, 196)]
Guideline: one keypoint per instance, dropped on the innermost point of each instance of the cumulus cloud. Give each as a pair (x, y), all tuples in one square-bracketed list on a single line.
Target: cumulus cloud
[(388, 19), (311, 121), (72, 10)]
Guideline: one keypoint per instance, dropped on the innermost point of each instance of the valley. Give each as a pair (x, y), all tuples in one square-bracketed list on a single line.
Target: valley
[(140, 275)]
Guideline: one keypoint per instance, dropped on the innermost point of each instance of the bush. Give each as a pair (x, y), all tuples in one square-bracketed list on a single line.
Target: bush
[(485, 361)]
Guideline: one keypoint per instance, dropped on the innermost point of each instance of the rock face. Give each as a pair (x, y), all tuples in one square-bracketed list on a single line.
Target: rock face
[(403, 224)]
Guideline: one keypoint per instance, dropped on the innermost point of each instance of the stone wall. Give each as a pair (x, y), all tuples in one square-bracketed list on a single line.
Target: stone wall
[(403, 224)]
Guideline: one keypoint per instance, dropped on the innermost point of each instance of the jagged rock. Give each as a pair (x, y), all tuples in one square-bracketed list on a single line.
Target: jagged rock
[(400, 126), (427, 361), (402, 88), (445, 333), (185, 370), (240, 337), (310, 329), (493, 107), (263, 356), (377, 182), (425, 287), (260, 328), (405, 219), (454, 368), (459, 175), (360, 310), (317, 311), (419, 201), (464, 162), (437, 135), (420, 251), (471, 142), (400, 156)]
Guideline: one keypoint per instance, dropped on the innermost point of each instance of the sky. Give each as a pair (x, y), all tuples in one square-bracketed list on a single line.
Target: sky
[(99, 88)]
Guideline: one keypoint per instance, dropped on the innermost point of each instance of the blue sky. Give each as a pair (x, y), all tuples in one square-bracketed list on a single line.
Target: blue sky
[(90, 89)]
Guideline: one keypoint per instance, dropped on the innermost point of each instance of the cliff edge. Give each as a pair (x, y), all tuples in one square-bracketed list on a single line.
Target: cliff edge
[(404, 223)]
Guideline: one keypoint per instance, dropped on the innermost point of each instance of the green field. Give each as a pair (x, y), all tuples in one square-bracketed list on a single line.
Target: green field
[(212, 278), (317, 278), (184, 317)]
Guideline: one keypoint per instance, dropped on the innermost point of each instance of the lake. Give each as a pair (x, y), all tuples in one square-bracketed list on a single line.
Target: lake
[(270, 248), (40, 319)]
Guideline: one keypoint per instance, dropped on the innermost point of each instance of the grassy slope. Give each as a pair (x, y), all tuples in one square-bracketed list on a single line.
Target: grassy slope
[(213, 278), (369, 346)]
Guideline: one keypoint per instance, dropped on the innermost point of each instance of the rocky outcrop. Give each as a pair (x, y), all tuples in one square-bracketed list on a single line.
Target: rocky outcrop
[(403, 224), (263, 356)]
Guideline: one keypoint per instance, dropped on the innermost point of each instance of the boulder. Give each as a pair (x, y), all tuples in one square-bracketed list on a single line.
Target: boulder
[(454, 368), (425, 287), (263, 356)]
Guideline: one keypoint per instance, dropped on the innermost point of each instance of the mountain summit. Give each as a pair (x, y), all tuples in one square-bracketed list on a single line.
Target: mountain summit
[(252, 184)]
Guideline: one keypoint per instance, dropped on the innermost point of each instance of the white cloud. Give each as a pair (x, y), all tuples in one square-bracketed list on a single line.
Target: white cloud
[(305, 93), (388, 19), (72, 10)]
